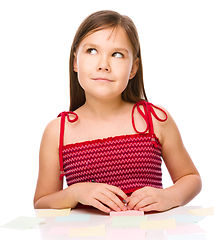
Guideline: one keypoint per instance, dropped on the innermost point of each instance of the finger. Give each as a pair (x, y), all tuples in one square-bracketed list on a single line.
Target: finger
[(118, 204), (118, 192), (139, 196), (152, 207), (145, 202), (134, 201), (111, 200), (97, 204), (113, 203)]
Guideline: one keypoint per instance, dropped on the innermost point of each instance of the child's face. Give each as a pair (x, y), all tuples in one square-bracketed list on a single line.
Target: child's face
[(104, 63)]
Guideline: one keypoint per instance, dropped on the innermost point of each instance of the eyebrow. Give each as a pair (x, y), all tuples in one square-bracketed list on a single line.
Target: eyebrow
[(114, 49)]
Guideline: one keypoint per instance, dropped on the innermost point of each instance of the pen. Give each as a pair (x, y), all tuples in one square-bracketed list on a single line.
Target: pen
[(125, 203)]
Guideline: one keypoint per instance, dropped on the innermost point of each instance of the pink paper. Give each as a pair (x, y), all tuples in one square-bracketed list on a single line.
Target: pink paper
[(127, 213), (59, 231), (126, 234), (185, 229)]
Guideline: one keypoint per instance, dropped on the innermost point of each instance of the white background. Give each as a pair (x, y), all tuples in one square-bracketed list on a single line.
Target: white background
[(178, 57)]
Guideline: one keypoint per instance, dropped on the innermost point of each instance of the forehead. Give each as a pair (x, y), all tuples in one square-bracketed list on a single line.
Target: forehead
[(110, 36)]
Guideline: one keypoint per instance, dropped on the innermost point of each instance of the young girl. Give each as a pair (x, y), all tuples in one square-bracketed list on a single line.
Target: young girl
[(111, 143)]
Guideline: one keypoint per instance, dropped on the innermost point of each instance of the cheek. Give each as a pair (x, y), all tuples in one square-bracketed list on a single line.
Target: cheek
[(123, 72), (123, 77), (124, 67), (81, 76), (84, 68), (82, 64)]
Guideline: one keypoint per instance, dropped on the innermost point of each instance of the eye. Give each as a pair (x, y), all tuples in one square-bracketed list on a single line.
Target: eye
[(117, 55), (92, 51)]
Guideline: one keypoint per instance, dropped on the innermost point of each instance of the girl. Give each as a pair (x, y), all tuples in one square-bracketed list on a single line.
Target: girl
[(110, 145)]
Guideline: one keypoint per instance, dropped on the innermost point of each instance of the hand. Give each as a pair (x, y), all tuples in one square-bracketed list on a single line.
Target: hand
[(151, 199), (101, 196)]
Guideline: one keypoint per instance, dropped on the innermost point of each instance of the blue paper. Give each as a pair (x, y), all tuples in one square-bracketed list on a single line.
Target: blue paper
[(73, 218), (187, 237), (187, 218)]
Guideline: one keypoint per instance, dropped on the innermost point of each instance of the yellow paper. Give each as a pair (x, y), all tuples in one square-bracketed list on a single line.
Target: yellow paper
[(203, 211), (160, 224), (23, 223), (53, 212), (87, 231)]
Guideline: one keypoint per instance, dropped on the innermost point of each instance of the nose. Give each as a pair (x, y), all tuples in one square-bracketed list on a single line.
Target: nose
[(103, 65)]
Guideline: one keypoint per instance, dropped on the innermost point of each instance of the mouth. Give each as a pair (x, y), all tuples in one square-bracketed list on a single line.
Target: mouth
[(99, 79)]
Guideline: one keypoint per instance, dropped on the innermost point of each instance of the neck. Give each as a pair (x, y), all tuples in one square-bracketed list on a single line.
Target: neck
[(103, 109)]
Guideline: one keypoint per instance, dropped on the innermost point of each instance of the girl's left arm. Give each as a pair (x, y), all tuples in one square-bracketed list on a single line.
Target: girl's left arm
[(186, 179)]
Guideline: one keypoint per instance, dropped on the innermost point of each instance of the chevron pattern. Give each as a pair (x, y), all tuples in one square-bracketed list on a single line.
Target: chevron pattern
[(129, 162)]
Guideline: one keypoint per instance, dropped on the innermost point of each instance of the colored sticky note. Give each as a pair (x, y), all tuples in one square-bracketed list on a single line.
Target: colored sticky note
[(128, 221), (53, 212), (23, 223), (187, 218), (74, 218), (203, 211), (160, 224), (185, 229), (187, 237), (59, 231), (127, 234), (127, 213), (87, 231)]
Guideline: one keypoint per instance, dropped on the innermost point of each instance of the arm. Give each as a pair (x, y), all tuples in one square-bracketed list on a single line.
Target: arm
[(186, 179), (49, 191)]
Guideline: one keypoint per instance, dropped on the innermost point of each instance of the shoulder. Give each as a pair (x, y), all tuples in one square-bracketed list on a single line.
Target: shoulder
[(170, 134), (53, 126), (165, 127), (161, 112), (164, 113), (51, 132)]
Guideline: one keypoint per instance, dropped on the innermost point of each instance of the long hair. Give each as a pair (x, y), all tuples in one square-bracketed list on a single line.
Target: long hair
[(134, 91)]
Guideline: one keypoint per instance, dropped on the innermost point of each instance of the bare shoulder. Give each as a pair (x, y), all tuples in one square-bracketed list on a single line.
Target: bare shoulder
[(53, 124), (50, 141), (165, 116), (161, 112), (167, 131), (164, 125), (52, 129)]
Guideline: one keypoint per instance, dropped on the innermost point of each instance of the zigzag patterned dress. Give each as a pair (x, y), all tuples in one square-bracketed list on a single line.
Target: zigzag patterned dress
[(129, 162)]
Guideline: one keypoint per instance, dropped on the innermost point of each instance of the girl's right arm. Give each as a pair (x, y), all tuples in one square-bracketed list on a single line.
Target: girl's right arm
[(49, 191)]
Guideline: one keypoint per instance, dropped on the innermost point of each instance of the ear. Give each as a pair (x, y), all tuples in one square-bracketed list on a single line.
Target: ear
[(134, 68), (75, 68)]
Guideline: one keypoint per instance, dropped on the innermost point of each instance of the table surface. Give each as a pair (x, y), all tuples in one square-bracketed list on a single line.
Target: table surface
[(205, 227)]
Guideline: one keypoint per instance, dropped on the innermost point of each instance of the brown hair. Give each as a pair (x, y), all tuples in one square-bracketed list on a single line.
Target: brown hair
[(134, 91)]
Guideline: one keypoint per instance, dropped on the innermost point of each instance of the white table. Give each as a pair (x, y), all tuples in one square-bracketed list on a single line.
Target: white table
[(98, 218)]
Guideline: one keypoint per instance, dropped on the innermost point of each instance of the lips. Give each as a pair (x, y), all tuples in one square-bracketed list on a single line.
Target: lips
[(100, 79)]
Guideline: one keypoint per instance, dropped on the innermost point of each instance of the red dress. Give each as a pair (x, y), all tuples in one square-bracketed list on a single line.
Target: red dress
[(129, 162)]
